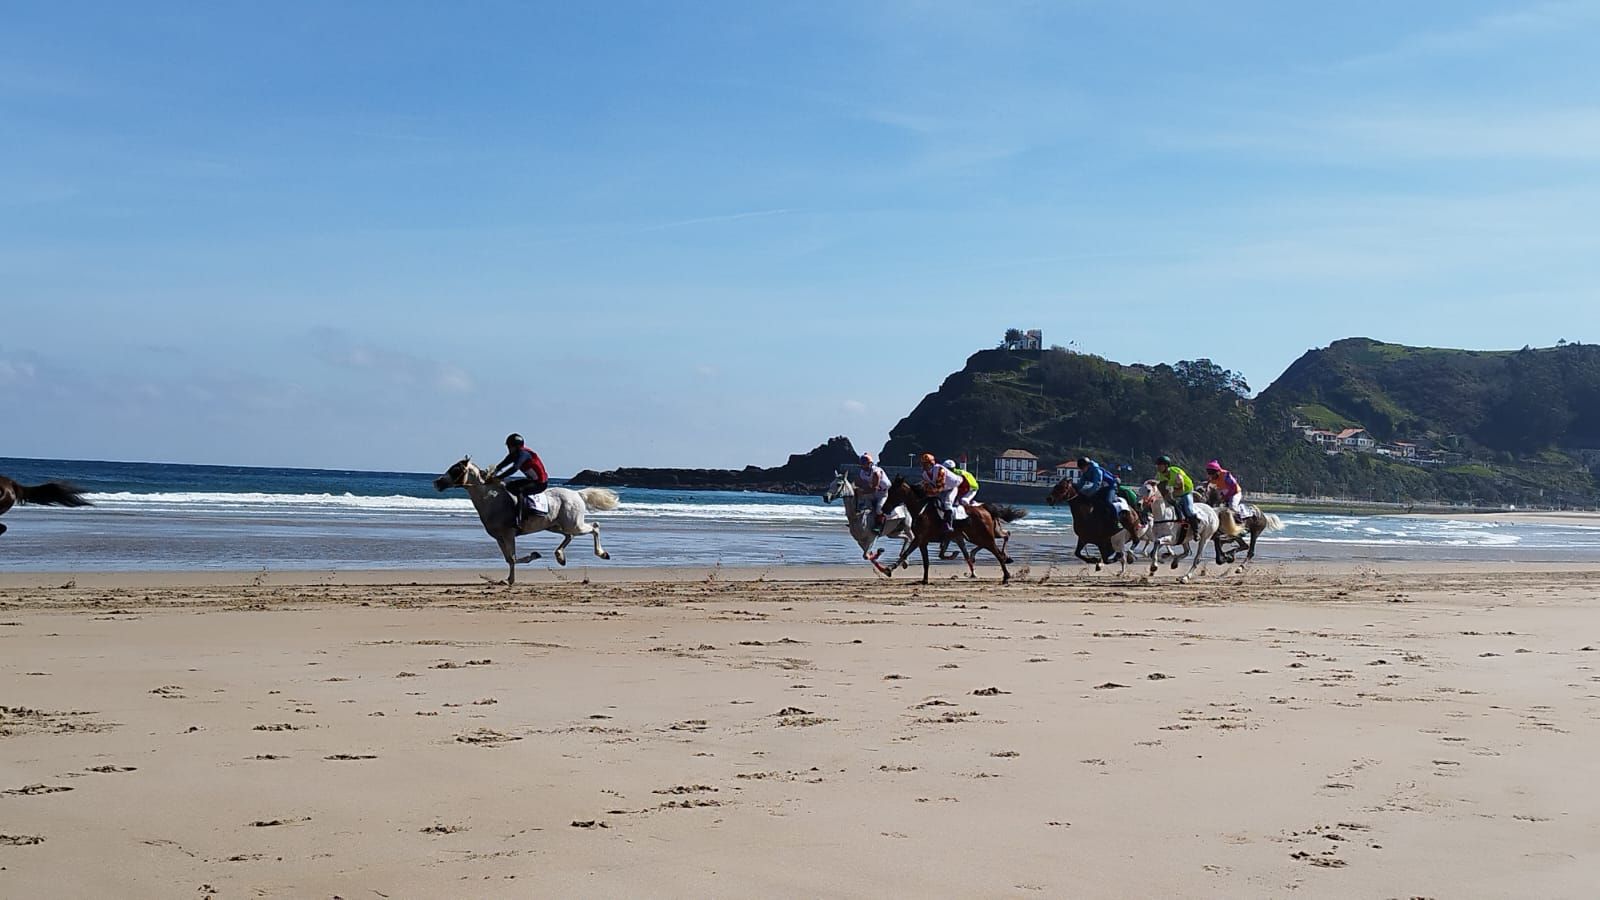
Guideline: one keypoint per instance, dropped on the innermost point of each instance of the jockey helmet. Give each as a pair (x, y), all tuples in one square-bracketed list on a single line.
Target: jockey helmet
[(866, 459), (1163, 460), (514, 440), (1213, 466), (1083, 462), (926, 459), (949, 464)]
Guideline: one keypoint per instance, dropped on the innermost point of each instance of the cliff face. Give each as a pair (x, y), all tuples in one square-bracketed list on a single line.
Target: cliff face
[(804, 473)]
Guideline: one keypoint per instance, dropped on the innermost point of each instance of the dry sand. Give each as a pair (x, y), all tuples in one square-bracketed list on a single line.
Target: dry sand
[(1326, 733)]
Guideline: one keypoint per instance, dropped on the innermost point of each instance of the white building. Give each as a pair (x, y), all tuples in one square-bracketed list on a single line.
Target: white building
[(1015, 465), (1357, 439), (1032, 339)]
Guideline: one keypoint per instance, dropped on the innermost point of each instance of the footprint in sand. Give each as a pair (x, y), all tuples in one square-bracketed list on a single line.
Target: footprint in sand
[(989, 692), (343, 757), (444, 829), (110, 769), (20, 840), (36, 789), (274, 823)]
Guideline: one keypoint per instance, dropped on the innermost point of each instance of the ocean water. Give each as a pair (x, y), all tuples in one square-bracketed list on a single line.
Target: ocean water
[(155, 516)]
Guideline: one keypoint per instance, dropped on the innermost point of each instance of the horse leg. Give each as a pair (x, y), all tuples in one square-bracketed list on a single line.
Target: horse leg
[(924, 562), (1255, 532), (1079, 554), (598, 550), (508, 549), (987, 542), (561, 551), (1201, 537)]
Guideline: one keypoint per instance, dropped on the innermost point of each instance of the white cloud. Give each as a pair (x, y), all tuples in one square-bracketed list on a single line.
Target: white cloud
[(338, 349), (855, 407), (707, 370), (16, 371), (1487, 33), (1551, 135)]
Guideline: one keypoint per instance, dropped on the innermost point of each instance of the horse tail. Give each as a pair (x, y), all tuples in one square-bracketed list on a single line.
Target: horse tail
[(1005, 512), (52, 493), (1273, 523), (599, 498)]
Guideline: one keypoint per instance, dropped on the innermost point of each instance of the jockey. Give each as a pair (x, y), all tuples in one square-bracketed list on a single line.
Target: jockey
[(526, 465), (943, 485), (1178, 489), (872, 487), (1097, 484), (969, 483), (1227, 487)]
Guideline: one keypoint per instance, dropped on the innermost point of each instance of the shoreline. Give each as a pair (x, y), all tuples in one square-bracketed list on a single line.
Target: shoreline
[(947, 573)]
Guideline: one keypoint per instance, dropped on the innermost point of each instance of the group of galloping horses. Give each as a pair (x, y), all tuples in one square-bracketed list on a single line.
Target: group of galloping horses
[(912, 515)]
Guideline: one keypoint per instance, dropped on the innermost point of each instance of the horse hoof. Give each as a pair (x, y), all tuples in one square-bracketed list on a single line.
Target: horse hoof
[(535, 555), (605, 554), (1183, 580), (561, 559)]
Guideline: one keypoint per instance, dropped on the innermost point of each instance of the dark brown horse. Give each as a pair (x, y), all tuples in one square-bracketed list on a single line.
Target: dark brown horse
[(51, 493), (1093, 528), (979, 527)]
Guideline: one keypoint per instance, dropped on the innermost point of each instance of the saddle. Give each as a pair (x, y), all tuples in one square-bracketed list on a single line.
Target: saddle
[(538, 504)]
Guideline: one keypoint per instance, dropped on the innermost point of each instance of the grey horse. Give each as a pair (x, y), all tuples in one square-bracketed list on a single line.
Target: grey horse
[(497, 510)]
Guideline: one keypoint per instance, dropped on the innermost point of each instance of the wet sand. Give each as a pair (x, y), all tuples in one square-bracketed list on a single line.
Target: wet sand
[(1326, 731)]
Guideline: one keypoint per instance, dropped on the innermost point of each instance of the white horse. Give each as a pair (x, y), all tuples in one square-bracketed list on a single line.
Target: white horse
[(896, 522), (497, 509), (1163, 513)]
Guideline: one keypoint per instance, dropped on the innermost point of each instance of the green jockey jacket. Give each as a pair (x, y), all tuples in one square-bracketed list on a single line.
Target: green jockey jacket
[(1176, 480)]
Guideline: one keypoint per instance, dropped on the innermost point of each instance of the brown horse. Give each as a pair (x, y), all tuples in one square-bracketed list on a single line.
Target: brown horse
[(51, 493), (979, 526), (1093, 528)]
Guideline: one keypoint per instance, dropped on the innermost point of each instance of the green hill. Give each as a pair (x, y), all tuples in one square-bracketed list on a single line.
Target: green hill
[(1522, 402), (1496, 426)]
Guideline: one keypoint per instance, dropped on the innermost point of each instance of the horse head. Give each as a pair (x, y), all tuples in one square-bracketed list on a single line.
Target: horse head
[(900, 491), (461, 474), (1063, 492), (840, 487)]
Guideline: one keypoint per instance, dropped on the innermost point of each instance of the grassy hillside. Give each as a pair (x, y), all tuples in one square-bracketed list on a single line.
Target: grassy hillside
[(1507, 419)]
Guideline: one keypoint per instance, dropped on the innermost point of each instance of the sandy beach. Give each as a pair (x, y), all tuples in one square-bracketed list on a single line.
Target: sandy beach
[(1321, 731)]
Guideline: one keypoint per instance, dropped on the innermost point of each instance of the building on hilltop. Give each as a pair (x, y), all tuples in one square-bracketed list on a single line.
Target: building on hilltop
[(1017, 339), (1015, 465)]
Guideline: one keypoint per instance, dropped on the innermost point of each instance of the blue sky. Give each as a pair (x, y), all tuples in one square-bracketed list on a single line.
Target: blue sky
[(381, 234)]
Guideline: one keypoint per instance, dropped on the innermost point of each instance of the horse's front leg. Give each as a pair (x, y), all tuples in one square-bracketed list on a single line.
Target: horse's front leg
[(508, 549), (1079, 554), (924, 562)]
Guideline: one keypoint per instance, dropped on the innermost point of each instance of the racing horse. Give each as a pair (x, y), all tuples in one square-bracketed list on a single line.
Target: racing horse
[(497, 510), (51, 493), (1162, 512), (980, 526), (1111, 539), (896, 522), (1244, 533)]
